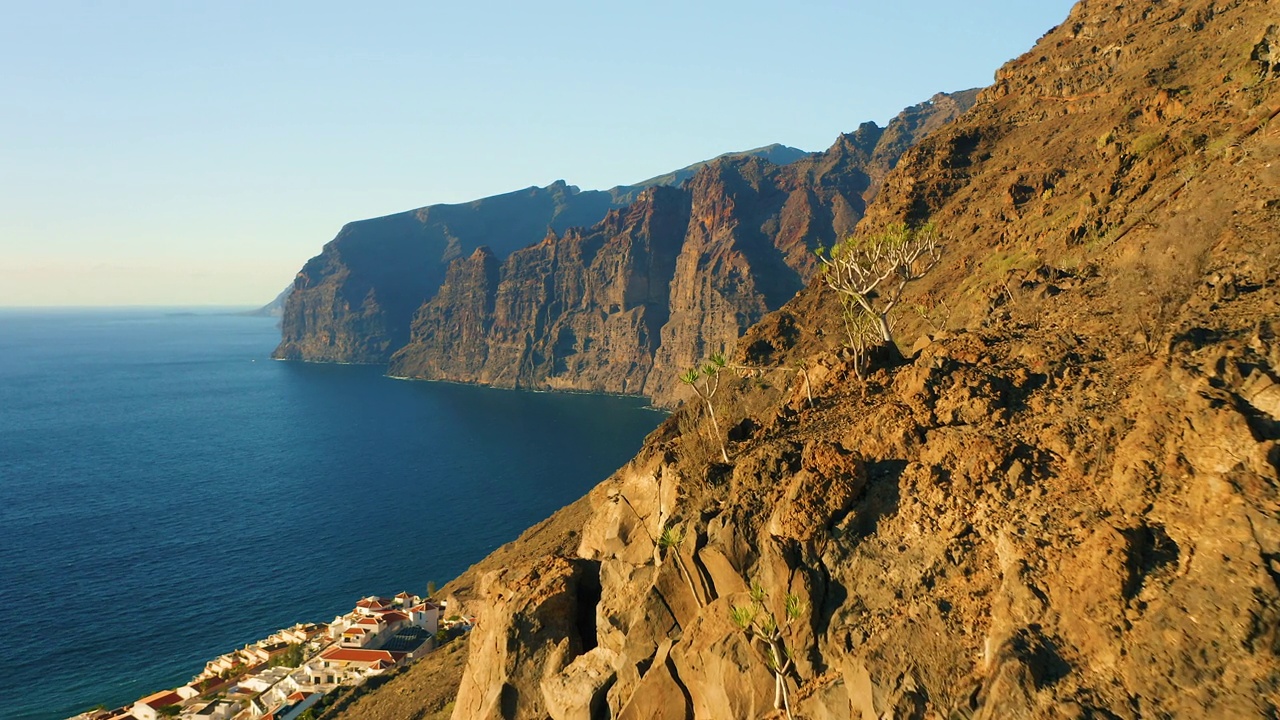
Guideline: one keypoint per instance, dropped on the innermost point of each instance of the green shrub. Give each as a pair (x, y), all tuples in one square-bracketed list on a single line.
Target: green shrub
[(1146, 143), (869, 273)]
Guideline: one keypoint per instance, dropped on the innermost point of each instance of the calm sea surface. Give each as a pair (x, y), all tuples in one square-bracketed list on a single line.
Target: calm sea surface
[(167, 493)]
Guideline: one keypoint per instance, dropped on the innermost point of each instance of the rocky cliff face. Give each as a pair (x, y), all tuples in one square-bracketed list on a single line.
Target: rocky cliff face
[(589, 305), (355, 300), (625, 305), (1065, 502)]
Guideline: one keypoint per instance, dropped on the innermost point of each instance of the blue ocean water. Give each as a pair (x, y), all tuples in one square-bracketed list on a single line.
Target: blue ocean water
[(167, 493)]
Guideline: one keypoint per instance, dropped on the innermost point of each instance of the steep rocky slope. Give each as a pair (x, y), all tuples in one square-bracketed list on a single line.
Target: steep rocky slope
[(1064, 503), (625, 305)]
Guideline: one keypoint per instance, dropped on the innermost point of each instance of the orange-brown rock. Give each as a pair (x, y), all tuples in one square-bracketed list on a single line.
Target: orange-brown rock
[(536, 626)]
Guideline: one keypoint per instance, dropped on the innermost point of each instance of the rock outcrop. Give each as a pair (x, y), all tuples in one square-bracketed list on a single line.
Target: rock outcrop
[(1064, 502), (625, 305)]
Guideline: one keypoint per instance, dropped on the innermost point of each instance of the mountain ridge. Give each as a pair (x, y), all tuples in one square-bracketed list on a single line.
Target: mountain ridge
[(776, 153)]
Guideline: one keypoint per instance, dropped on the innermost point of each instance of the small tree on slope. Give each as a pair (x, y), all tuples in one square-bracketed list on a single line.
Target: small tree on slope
[(705, 381), (670, 540), (760, 626), (869, 273)]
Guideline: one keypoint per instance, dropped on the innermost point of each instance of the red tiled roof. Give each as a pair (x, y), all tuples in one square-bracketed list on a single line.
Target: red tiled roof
[(161, 699), (368, 621), (361, 655), (394, 616)]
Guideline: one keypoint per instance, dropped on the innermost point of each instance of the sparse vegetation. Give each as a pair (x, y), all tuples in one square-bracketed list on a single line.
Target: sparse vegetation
[(1144, 144), (1223, 145), (669, 541), (705, 381), (936, 313), (444, 713), (758, 373), (757, 621), (205, 684), (802, 367), (861, 330), (292, 657), (870, 273), (672, 536)]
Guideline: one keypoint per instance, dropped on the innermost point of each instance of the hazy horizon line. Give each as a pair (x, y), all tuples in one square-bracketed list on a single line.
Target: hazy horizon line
[(188, 306)]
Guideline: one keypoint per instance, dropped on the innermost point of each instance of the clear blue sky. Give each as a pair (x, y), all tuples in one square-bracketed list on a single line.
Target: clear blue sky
[(161, 152)]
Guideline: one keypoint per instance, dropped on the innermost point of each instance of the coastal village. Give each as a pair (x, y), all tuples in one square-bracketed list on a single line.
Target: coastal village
[(292, 673)]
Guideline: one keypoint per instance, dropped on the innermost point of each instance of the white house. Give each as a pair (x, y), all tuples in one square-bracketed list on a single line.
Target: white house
[(374, 604), (214, 710), (221, 664), (259, 682), (294, 705), (393, 621), (300, 633), (425, 615), (341, 665), (358, 636)]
